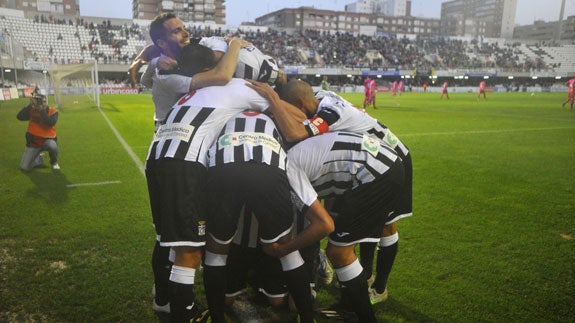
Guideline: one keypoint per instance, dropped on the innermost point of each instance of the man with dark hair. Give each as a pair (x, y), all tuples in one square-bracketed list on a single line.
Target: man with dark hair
[(169, 37)]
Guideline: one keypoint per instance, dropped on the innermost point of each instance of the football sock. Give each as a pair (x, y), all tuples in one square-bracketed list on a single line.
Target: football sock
[(356, 290), (215, 284), (366, 253), (182, 295), (161, 267), (385, 257), (298, 280)]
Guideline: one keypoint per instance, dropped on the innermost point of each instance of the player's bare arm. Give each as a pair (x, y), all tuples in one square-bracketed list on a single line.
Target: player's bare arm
[(223, 72), (289, 118), (321, 225)]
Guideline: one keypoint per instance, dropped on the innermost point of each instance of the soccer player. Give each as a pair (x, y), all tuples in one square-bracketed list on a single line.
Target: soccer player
[(394, 88), (364, 178), (368, 87), (247, 169), (327, 111), (176, 171), (481, 90), (570, 93), (169, 37), (401, 87), (444, 90)]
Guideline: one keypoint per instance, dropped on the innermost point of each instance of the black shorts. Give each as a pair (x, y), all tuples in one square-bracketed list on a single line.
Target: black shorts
[(252, 266), (178, 201), (360, 214), (265, 189), (405, 204)]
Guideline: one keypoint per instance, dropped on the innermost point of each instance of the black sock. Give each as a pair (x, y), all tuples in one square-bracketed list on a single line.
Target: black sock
[(182, 302), (161, 267), (215, 285), (385, 259), (366, 253), (356, 290), (298, 286)]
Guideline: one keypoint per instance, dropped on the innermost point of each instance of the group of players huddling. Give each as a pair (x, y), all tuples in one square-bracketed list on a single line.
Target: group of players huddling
[(246, 166)]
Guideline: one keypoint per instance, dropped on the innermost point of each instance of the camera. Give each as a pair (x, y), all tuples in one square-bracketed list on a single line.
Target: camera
[(38, 100)]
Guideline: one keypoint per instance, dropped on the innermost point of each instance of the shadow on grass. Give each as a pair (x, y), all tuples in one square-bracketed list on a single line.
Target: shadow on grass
[(50, 186), (393, 310), (109, 107)]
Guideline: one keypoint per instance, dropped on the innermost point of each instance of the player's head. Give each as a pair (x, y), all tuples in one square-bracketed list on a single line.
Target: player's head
[(167, 32), (300, 94), (195, 58)]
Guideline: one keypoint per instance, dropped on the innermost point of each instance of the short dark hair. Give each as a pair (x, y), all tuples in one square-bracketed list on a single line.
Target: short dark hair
[(157, 30), (195, 58)]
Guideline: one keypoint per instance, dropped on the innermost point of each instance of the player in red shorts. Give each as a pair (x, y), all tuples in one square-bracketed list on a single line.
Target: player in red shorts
[(570, 93), (444, 91), (369, 86), (481, 90)]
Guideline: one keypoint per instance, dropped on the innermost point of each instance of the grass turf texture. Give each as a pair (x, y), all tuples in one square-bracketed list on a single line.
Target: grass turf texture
[(491, 238)]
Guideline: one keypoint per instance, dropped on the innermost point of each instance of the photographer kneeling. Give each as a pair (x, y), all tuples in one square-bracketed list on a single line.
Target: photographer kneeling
[(41, 133)]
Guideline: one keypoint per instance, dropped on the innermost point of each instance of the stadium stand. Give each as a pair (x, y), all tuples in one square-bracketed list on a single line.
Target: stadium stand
[(63, 41)]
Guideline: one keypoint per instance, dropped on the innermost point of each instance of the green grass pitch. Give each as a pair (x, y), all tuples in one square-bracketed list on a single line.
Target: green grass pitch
[(492, 237)]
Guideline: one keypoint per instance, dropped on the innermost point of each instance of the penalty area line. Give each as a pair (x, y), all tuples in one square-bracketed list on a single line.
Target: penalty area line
[(93, 184)]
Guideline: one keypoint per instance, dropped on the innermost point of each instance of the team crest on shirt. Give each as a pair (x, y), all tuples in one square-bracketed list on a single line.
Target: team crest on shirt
[(201, 228), (370, 144)]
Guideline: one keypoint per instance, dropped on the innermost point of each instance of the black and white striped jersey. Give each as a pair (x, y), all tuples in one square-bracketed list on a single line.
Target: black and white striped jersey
[(249, 136), (252, 63), (194, 122), (341, 115), (332, 163), (255, 65)]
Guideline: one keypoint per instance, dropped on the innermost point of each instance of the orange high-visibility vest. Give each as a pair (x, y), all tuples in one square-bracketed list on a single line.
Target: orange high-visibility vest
[(39, 129)]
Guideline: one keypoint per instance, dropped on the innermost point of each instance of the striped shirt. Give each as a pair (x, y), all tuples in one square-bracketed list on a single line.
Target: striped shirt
[(255, 65), (340, 115), (194, 122), (249, 136), (335, 162)]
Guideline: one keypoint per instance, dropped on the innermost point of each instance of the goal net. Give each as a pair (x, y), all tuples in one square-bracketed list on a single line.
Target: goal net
[(75, 85)]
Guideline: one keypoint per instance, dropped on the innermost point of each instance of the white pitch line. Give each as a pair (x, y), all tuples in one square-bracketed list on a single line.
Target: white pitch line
[(93, 184), (474, 132), (129, 150)]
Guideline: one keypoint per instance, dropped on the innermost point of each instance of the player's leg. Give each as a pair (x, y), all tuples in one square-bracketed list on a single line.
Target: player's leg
[(273, 207), (353, 282), (181, 202), (183, 304), (387, 250), (161, 268), (215, 277), (298, 282), (366, 255)]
